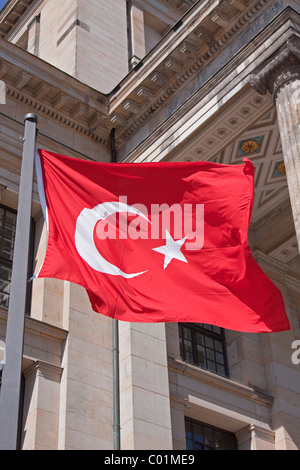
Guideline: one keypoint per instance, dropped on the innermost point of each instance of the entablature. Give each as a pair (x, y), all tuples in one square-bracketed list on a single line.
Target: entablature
[(196, 59), (53, 93), (195, 41)]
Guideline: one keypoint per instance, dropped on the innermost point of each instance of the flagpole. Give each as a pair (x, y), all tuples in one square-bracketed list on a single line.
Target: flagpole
[(116, 386), (115, 331), (12, 366)]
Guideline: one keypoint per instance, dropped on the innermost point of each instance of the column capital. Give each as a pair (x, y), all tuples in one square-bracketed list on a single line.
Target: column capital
[(282, 67)]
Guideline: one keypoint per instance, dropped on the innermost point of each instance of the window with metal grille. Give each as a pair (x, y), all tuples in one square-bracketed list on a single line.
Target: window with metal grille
[(8, 221), (200, 436), (204, 346)]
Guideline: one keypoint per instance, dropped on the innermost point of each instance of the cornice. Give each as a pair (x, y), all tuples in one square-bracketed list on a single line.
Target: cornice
[(218, 66), (217, 381), (38, 327), (68, 119), (53, 93), (205, 30)]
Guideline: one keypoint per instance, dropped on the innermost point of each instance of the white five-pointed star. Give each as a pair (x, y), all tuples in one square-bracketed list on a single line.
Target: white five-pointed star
[(171, 249)]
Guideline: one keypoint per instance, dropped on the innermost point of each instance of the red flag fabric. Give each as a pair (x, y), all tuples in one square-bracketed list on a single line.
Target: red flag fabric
[(158, 242)]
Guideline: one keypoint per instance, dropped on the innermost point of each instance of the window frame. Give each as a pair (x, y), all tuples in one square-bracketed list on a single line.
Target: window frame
[(6, 262), (206, 428), (9, 262), (207, 331)]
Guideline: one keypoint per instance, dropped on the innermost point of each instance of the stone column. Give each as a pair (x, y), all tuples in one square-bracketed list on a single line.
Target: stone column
[(280, 76)]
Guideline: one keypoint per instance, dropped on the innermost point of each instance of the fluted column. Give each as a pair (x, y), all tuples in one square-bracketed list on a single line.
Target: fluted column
[(280, 76)]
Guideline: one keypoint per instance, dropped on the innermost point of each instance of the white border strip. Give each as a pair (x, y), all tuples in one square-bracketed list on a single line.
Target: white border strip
[(40, 183), (41, 191)]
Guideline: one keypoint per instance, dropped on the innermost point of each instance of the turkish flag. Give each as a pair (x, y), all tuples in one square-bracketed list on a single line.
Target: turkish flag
[(158, 242)]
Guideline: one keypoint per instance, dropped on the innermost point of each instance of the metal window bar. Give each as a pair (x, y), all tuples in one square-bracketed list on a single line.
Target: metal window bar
[(8, 219), (202, 436), (204, 346)]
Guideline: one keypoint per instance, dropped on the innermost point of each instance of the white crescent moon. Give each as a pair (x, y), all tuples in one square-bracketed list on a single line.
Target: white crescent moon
[(84, 236)]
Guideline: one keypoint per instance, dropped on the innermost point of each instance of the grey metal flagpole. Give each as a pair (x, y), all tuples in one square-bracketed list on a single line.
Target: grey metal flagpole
[(12, 367), (116, 373), (116, 386)]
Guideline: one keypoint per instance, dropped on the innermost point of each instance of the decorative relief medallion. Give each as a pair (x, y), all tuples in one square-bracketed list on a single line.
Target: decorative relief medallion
[(281, 168), (249, 146)]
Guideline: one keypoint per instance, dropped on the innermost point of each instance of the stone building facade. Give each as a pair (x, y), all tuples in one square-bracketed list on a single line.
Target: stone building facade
[(140, 81)]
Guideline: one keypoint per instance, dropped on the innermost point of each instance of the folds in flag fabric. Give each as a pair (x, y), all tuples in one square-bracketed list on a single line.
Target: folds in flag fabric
[(158, 242)]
